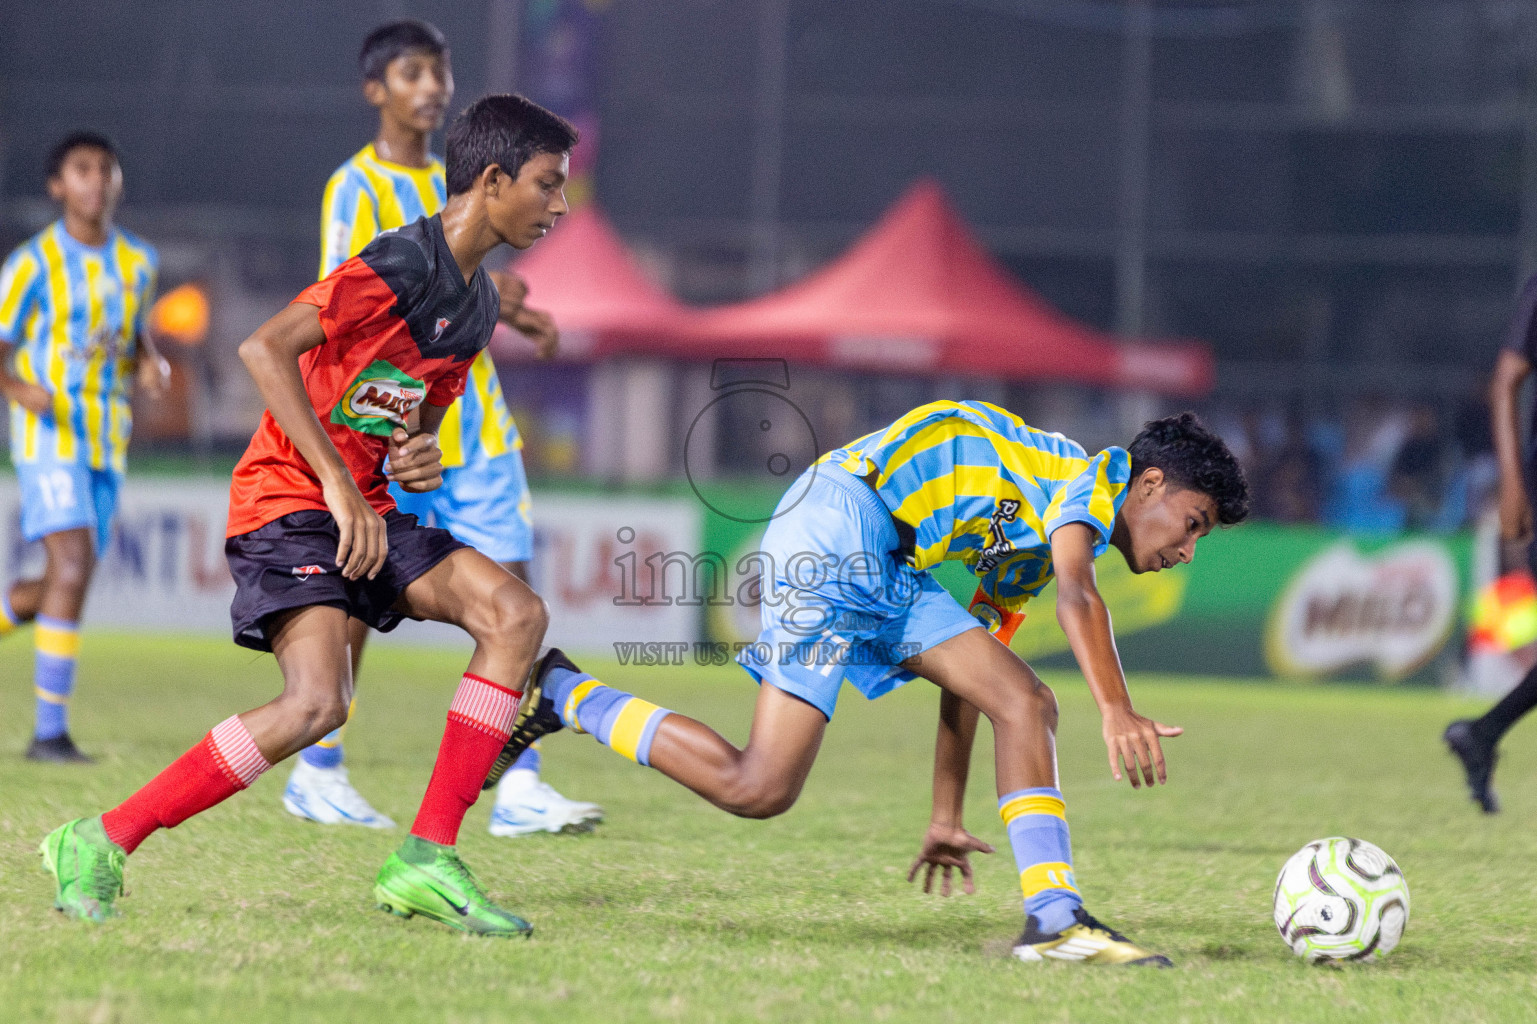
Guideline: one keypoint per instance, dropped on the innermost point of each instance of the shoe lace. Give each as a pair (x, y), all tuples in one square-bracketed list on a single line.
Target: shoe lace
[(460, 874), (1089, 921), (104, 881)]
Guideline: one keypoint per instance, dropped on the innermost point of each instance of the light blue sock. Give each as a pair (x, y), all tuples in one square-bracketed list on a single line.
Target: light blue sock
[(327, 753), (1036, 820), (57, 644), (620, 721)]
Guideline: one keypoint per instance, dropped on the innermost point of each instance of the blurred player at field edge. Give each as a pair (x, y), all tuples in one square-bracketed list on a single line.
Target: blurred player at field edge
[(1473, 741), (357, 373), (484, 501), (848, 599), (73, 300)]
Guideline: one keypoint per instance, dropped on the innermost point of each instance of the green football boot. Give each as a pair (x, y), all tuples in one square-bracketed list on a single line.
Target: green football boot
[(87, 869), (427, 879)]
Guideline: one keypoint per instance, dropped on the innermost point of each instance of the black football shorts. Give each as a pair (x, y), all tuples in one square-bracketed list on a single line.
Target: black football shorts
[(291, 563)]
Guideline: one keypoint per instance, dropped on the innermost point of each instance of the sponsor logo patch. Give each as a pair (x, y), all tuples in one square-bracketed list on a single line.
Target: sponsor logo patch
[(304, 572), (379, 399)]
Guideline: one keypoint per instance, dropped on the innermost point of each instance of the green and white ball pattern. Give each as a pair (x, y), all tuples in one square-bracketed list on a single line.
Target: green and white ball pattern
[(1341, 899)]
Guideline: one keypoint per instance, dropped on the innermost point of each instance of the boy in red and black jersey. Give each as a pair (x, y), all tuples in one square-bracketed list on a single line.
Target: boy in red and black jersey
[(357, 374), (402, 326)]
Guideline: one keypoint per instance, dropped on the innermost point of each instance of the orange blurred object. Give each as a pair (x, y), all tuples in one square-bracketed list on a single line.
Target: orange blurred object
[(181, 315)]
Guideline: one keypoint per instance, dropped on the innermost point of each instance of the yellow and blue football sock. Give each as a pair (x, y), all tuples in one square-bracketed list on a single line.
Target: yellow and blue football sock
[(618, 720), (7, 613), (57, 644), (326, 752), (529, 760), (1036, 820)]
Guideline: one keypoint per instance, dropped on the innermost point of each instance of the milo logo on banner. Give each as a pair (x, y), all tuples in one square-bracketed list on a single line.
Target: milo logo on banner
[(1394, 609), (379, 400)]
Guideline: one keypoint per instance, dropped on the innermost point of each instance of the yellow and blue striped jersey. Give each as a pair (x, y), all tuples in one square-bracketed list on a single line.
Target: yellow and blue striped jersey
[(368, 195), (74, 314), (971, 482)]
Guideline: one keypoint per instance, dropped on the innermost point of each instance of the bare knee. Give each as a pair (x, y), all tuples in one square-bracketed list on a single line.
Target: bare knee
[(71, 563), (1030, 705), (514, 615), (313, 715), (759, 798)]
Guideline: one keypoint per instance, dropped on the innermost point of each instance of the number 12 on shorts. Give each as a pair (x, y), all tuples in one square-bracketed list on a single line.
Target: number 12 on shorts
[(57, 489)]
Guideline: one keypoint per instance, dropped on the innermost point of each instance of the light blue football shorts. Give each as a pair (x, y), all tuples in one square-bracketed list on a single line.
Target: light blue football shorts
[(484, 503), (844, 604), (58, 496)]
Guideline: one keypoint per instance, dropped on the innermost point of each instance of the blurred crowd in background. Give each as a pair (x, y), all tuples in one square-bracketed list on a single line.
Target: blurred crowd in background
[(1373, 466)]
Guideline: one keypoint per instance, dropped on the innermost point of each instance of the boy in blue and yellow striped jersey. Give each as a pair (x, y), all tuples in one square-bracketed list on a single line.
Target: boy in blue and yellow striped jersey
[(73, 300), (847, 598), (484, 500)]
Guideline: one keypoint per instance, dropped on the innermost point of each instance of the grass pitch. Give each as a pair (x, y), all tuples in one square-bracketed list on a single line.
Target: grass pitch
[(675, 911)]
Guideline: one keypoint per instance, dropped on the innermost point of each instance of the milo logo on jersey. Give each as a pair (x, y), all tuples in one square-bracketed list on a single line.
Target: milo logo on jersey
[(379, 400)]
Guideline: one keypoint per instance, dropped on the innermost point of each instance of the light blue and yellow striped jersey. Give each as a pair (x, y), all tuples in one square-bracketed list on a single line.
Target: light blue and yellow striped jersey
[(368, 195), (74, 314), (975, 484)]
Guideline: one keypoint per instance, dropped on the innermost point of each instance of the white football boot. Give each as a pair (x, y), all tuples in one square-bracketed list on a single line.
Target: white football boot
[(526, 804), (326, 796)]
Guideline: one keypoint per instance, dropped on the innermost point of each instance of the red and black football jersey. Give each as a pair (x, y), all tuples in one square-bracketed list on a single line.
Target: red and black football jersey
[(402, 326)]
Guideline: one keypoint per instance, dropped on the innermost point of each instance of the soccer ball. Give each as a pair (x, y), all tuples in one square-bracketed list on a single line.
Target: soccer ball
[(1341, 899)]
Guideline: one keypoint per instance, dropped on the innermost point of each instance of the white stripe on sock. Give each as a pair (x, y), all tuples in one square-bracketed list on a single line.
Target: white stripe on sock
[(483, 706), (236, 751)]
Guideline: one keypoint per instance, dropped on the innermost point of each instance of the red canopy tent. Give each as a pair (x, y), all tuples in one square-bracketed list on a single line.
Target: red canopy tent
[(919, 293), (604, 305)]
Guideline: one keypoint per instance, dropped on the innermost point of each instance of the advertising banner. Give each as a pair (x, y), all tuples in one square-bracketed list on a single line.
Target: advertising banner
[(601, 562), (650, 576)]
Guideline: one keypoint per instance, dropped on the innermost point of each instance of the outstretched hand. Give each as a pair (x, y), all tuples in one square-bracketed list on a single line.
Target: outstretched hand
[(1133, 739), (948, 847)]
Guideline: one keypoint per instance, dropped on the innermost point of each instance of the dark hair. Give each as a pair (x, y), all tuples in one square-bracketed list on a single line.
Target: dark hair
[(1195, 459), (503, 130), (390, 40), (73, 141)]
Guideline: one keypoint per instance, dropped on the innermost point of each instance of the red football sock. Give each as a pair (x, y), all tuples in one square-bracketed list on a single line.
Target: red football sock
[(479, 722), (222, 764)]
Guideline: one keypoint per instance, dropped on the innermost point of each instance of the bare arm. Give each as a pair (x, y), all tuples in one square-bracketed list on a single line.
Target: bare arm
[(33, 397), (272, 357), (1129, 737), (430, 418), (534, 324), (947, 845), (1510, 371), (952, 757), (152, 374)]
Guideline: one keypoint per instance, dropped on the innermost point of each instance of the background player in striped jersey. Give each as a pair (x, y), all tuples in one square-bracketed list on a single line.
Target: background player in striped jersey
[(484, 499), (849, 600), (73, 300)]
